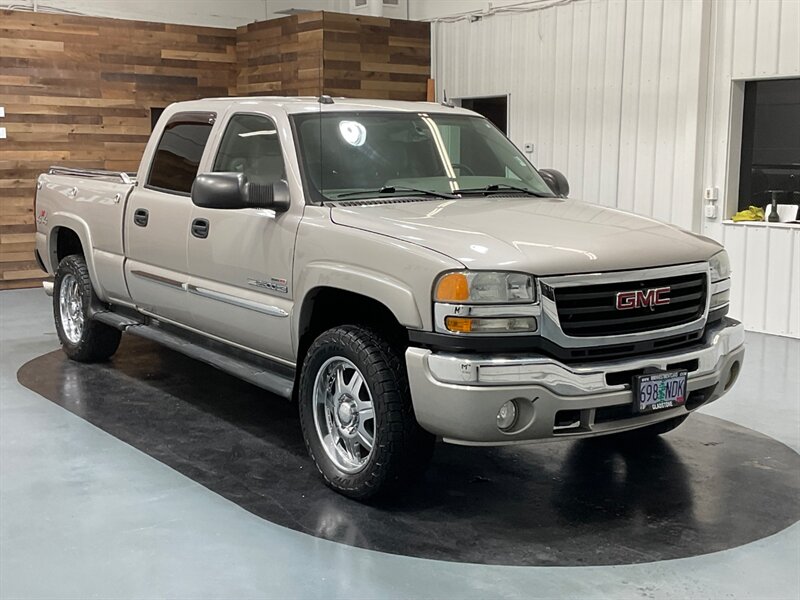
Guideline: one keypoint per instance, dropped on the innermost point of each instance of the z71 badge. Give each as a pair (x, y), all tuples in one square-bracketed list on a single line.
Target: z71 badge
[(275, 284)]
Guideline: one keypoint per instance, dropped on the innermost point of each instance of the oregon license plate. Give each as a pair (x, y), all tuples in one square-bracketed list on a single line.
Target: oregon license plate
[(657, 391)]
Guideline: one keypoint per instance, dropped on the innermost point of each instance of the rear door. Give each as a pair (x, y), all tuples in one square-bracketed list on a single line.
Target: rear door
[(241, 260), (158, 216)]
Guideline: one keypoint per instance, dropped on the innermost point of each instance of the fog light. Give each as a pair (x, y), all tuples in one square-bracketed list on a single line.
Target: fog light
[(507, 415)]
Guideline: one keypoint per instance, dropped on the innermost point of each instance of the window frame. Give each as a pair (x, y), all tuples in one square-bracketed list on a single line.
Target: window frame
[(313, 196), (230, 117), (193, 117)]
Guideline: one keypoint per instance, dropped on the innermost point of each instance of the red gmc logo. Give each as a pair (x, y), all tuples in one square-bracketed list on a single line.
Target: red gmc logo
[(641, 298)]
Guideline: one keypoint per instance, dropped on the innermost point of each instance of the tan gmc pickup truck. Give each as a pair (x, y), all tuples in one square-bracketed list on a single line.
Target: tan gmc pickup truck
[(400, 270)]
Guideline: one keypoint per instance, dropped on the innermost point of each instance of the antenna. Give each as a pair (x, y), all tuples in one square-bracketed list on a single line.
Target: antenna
[(444, 100)]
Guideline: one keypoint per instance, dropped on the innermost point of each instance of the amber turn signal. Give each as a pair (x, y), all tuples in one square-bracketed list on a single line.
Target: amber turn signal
[(458, 324), (453, 287)]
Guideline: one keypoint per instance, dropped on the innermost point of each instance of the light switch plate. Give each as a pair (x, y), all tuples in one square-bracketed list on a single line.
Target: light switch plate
[(2, 133), (2, 111), (711, 193)]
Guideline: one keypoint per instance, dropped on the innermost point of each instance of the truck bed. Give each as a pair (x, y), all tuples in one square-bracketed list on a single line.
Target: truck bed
[(90, 202)]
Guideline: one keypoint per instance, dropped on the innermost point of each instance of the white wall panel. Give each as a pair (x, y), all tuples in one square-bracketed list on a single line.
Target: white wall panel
[(751, 39), (213, 13), (632, 99), (765, 291), (607, 91)]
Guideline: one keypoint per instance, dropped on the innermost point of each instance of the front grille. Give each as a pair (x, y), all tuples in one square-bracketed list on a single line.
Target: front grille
[(590, 310)]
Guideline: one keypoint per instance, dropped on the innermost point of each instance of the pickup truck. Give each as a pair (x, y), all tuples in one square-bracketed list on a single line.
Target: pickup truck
[(400, 270)]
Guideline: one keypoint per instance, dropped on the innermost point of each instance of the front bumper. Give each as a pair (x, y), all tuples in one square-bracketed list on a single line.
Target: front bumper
[(457, 396)]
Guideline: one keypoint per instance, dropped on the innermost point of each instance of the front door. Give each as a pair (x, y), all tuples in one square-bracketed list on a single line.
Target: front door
[(240, 261), (158, 216)]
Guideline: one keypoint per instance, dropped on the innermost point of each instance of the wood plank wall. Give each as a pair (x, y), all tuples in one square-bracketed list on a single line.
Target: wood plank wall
[(373, 57), (336, 54), (281, 56), (78, 90)]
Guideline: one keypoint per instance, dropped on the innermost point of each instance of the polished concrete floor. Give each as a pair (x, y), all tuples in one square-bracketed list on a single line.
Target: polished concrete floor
[(85, 514)]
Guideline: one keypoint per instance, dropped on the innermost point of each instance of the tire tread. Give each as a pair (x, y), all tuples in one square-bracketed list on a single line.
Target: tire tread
[(99, 341)]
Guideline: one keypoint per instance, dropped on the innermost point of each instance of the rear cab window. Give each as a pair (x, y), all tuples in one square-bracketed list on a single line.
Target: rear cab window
[(179, 151)]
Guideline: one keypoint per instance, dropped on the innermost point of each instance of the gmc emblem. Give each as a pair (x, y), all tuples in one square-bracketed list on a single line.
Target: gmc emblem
[(641, 298)]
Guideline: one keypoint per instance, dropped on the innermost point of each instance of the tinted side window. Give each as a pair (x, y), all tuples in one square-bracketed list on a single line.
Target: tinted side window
[(178, 156), (251, 146)]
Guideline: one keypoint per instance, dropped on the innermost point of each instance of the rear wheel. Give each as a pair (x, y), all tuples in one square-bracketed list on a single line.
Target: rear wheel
[(356, 414), (82, 339)]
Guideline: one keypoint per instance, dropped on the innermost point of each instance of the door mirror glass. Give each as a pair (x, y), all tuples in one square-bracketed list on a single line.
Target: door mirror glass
[(234, 191), (556, 180)]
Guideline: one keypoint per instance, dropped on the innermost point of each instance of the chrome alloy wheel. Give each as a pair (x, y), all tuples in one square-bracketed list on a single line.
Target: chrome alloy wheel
[(344, 415), (70, 305)]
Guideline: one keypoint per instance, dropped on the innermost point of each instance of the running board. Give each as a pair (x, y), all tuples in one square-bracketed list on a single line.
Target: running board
[(259, 372), (115, 320)]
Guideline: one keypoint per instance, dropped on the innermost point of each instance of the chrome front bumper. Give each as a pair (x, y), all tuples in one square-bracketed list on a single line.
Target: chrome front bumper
[(457, 396)]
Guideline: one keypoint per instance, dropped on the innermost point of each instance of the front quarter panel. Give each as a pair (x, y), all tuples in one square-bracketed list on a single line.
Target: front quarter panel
[(398, 274)]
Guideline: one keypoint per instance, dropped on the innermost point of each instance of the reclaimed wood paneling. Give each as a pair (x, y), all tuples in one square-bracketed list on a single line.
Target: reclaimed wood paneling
[(373, 57), (281, 56), (77, 91), (336, 54)]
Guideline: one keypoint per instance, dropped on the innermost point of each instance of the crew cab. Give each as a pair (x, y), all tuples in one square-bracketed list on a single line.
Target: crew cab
[(400, 270)]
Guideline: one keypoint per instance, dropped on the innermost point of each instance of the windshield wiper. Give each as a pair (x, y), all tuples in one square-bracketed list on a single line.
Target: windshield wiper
[(393, 189), (502, 187)]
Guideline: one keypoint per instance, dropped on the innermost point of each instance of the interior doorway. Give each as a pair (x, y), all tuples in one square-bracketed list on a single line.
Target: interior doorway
[(494, 108)]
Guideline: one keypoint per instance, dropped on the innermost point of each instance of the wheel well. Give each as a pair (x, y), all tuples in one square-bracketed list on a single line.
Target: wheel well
[(324, 308), (67, 242)]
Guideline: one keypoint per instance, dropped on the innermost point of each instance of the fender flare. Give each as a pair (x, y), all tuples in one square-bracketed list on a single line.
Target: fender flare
[(392, 293), (81, 229)]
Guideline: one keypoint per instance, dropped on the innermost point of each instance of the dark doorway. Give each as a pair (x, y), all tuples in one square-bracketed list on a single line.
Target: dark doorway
[(770, 143), (494, 108)]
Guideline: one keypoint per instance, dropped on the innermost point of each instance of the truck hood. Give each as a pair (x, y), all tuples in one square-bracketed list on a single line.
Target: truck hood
[(542, 236)]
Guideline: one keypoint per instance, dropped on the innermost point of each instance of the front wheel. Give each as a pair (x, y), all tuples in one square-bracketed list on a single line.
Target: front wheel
[(82, 339), (356, 414)]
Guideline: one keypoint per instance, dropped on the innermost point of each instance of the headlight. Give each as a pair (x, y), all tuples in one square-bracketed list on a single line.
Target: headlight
[(720, 266), (485, 287), (485, 302)]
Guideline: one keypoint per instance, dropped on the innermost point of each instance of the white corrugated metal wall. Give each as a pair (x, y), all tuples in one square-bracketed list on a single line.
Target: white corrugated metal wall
[(606, 90), (751, 40), (621, 95)]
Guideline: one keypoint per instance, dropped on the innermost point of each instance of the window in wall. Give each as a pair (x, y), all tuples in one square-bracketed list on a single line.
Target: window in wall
[(251, 146), (178, 156), (494, 108), (770, 161)]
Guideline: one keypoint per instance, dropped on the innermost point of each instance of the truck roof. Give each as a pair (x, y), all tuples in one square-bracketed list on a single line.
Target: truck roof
[(302, 104)]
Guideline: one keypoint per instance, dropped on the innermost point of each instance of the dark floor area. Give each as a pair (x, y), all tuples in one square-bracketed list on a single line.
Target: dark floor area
[(700, 489)]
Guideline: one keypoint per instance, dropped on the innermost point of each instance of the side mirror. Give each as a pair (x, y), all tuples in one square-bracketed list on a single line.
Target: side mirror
[(556, 180), (233, 191)]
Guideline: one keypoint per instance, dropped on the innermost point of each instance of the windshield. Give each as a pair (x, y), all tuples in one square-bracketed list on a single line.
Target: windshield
[(347, 154)]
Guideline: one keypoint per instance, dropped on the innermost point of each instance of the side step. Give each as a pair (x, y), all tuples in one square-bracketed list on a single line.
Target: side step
[(261, 372)]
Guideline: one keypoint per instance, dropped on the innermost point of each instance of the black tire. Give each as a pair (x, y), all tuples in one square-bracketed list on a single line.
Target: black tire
[(96, 341), (650, 431), (402, 449)]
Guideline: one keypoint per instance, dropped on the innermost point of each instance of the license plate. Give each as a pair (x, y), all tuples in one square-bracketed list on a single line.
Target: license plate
[(657, 391)]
